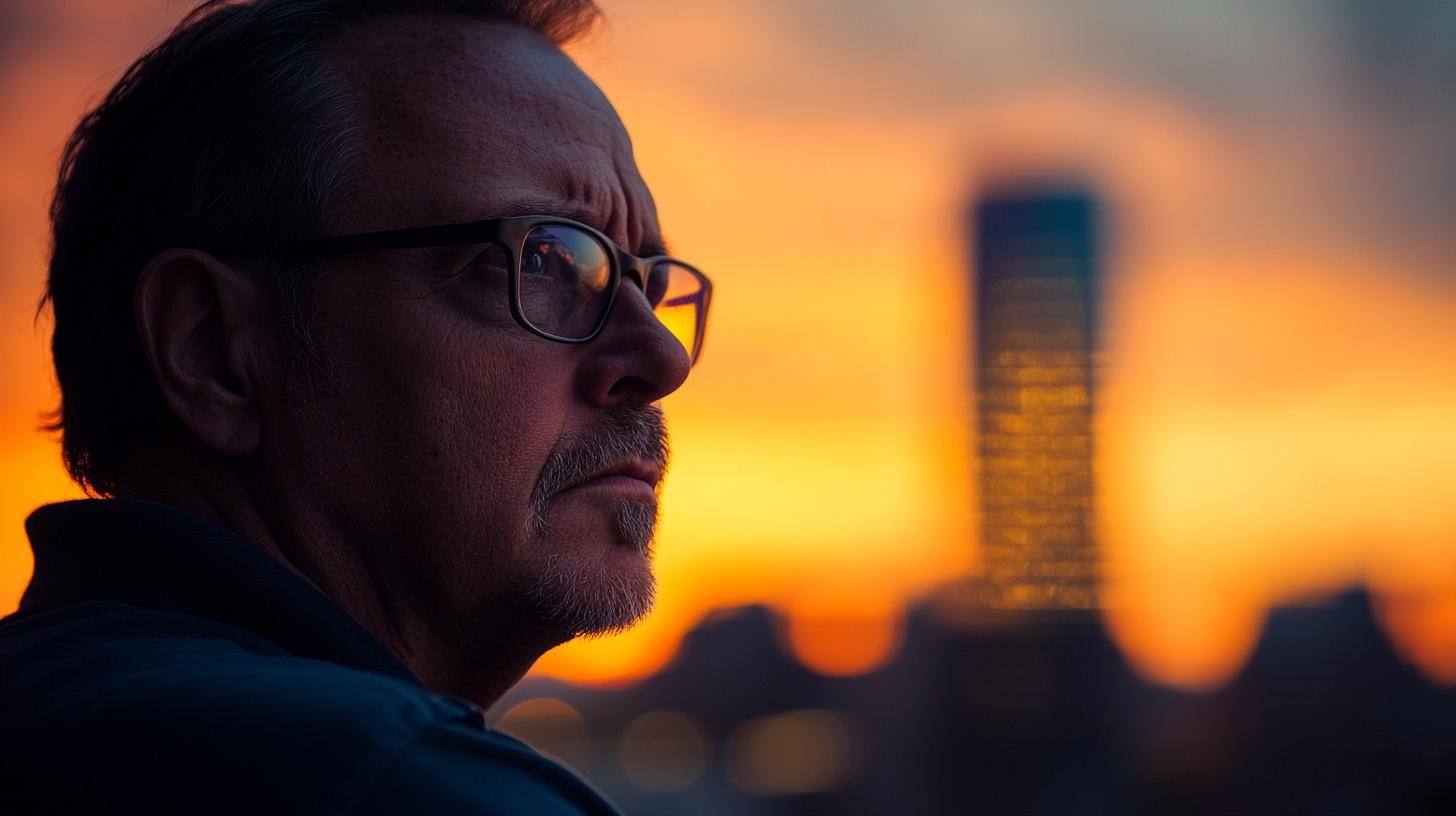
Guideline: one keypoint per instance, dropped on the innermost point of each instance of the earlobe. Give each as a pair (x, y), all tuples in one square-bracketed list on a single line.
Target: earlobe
[(196, 320)]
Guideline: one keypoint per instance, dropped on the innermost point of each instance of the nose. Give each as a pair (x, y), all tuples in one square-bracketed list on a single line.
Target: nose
[(635, 361)]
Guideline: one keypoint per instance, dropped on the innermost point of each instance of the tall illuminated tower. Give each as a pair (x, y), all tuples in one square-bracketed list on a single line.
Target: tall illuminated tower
[(1036, 275)]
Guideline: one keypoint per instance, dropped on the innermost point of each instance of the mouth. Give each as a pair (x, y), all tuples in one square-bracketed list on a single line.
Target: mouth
[(635, 476)]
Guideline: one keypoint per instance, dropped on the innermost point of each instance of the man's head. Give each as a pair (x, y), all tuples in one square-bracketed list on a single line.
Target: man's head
[(391, 400)]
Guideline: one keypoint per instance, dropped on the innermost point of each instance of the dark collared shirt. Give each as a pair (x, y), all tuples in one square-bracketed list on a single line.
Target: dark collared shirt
[(161, 664)]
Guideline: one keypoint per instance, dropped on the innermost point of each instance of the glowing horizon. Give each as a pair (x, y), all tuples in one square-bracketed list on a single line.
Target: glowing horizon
[(1275, 401)]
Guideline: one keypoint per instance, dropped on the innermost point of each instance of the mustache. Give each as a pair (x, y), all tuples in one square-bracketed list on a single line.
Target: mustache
[(623, 433)]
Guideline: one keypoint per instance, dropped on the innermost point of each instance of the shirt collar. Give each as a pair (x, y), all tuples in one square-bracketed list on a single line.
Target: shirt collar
[(154, 555)]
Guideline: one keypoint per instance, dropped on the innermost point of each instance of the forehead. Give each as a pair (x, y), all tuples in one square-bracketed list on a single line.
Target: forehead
[(460, 119)]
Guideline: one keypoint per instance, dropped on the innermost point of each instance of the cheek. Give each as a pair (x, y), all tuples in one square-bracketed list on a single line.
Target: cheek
[(492, 416), (424, 439), (477, 417), (475, 409)]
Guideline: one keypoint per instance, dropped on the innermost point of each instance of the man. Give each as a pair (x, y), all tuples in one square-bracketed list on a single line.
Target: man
[(352, 328)]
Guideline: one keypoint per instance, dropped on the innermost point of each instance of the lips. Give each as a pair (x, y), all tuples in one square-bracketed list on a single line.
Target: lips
[(626, 473)]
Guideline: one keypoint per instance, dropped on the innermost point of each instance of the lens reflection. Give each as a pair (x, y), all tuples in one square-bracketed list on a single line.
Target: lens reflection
[(679, 299), (563, 281)]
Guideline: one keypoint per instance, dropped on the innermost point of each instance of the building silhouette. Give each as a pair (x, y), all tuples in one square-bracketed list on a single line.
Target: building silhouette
[(1013, 713), (1036, 271)]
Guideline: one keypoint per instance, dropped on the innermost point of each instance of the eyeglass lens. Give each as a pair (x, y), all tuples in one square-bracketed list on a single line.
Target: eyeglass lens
[(564, 287), (564, 278), (676, 295)]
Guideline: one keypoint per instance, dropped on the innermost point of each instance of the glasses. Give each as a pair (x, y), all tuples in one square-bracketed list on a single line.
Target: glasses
[(563, 275)]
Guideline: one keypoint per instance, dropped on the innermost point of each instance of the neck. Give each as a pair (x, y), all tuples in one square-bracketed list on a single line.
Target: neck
[(478, 657)]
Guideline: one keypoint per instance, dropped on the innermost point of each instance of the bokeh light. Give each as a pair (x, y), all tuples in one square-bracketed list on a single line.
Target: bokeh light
[(663, 751), (551, 726), (795, 752)]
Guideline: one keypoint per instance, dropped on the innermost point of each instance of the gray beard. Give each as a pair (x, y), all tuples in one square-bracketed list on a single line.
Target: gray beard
[(568, 594), (579, 602)]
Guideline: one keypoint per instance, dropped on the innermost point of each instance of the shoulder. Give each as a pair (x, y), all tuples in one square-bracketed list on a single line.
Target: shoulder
[(129, 710), (452, 768), (114, 661)]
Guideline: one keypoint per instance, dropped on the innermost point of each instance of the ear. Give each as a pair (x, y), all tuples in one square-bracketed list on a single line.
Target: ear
[(200, 322)]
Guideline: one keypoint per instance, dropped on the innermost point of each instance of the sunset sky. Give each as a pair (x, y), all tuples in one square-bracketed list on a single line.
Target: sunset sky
[(1278, 402)]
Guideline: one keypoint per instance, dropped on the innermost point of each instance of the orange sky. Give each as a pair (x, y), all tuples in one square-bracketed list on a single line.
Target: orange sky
[(1278, 400)]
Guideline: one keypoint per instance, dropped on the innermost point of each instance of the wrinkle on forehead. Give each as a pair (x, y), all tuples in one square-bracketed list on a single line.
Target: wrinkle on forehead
[(458, 116)]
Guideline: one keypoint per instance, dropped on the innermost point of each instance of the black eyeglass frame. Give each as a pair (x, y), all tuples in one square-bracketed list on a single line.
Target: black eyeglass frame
[(510, 233)]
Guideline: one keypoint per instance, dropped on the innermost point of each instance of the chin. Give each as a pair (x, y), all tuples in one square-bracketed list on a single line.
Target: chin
[(596, 578)]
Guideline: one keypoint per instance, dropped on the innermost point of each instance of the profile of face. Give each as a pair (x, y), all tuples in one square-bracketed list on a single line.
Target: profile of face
[(485, 474)]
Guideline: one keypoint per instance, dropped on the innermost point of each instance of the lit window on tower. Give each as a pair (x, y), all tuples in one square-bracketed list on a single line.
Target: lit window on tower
[(1035, 306)]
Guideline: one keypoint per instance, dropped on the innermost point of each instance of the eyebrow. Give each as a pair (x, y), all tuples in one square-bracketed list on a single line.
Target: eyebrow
[(652, 245)]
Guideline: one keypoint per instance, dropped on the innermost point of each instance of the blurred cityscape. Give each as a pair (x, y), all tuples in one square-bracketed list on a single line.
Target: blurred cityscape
[(1005, 712), (1007, 695)]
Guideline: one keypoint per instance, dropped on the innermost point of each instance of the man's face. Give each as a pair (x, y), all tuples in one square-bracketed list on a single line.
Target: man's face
[(436, 434)]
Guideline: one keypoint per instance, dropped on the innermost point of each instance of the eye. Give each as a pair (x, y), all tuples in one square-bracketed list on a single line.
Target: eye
[(545, 258), (533, 259)]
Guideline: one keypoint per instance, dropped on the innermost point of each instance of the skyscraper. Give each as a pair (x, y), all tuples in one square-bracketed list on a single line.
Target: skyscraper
[(1036, 274)]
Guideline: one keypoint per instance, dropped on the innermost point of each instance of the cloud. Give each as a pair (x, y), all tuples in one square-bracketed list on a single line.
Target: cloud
[(1335, 115)]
